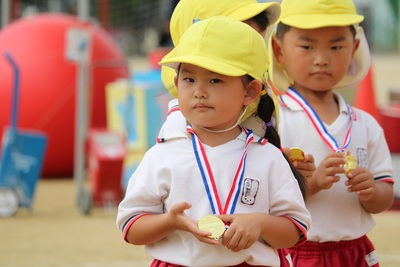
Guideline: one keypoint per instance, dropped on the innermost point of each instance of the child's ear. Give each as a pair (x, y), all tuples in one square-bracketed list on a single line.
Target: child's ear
[(176, 81), (355, 47), (277, 49), (253, 91)]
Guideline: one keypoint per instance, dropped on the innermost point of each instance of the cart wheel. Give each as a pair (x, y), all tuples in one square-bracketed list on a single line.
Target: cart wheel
[(9, 202), (85, 201)]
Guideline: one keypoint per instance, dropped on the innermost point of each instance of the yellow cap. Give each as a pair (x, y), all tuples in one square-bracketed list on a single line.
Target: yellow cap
[(189, 11), (313, 14), (213, 44)]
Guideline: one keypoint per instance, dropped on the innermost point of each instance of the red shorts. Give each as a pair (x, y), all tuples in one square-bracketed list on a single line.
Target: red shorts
[(157, 263), (352, 253)]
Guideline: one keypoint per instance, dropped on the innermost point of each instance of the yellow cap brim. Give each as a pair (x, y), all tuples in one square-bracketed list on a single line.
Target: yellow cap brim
[(314, 21), (205, 62), (250, 10)]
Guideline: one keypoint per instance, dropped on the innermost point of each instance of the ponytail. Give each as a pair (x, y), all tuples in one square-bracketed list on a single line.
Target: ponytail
[(265, 110)]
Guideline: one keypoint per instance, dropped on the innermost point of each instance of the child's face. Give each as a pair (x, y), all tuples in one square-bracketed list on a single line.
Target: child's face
[(209, 99), (316, 59)]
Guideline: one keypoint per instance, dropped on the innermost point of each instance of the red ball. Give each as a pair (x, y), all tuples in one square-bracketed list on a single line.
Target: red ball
[(48, 82)]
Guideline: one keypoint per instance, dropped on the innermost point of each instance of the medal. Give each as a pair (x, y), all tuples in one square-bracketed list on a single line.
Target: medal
[(212, 224), (296, 154), (350, 164)]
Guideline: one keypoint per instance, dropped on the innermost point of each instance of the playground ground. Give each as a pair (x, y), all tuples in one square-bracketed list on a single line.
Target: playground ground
[(56, 234)]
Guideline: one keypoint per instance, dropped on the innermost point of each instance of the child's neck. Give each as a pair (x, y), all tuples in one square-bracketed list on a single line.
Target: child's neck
[(324, 103), (214, 139)]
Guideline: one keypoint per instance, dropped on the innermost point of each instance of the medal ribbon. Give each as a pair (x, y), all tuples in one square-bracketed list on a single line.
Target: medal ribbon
[(318, 124), (208, 178)]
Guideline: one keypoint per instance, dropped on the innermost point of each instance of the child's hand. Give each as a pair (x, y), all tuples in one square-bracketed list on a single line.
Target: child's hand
[(327, 172), (183, 222), (178, 217), (374, 196), (243, 232), (362, 183), (305, 166)]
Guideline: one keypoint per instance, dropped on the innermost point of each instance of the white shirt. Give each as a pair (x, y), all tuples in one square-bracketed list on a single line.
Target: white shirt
[(337, 214), (169, 174)]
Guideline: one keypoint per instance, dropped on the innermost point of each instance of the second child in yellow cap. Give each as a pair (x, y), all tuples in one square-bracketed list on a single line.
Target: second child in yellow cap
[(259, 15), (214, 193), (318, 46)]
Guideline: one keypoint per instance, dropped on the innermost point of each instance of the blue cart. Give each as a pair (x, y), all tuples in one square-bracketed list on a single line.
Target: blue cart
[(21, 159)]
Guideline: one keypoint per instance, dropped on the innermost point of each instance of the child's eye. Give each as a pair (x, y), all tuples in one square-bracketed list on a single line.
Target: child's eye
[(189, 80), (306, 47), (215, 81), (335, 48)]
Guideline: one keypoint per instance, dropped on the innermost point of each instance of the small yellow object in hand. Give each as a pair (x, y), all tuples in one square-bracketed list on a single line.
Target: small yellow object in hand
[(212, 224), (350, 164), (296, 154)]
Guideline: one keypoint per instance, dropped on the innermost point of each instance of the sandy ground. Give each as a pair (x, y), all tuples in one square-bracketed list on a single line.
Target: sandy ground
[(56, 234)]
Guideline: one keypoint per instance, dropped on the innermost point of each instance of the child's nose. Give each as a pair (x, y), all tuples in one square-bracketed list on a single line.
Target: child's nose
[(200, 92), (321, 59)]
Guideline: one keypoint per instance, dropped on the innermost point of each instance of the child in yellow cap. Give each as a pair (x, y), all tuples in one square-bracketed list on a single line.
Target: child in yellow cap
[(259, 15), (318, 47), (215, 194)]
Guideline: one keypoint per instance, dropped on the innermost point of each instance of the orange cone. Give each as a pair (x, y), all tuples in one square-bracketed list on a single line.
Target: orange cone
[(365, 96)]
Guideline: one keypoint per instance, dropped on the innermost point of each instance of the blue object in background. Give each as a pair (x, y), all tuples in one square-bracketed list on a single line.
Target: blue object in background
[(22, 155), (157, 98), (21, 162)]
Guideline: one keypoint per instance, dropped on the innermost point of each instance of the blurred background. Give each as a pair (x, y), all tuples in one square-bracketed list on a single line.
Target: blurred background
[(137, 25), (81, 100), (140, 26)]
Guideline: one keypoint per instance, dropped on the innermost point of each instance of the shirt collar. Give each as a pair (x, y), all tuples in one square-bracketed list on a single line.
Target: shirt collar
[(178, 134), (287, 102)]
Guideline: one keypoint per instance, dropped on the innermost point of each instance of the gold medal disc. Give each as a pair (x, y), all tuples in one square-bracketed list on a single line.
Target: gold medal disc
[(212, 224), (296, 154), (350, 164)]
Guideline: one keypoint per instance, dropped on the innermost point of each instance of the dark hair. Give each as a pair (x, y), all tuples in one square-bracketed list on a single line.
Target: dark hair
[(261, 20), (266, 108), (282, 28)]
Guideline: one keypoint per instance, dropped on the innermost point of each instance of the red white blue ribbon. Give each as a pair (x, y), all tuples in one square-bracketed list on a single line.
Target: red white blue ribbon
[(318, 124), (209, 180)]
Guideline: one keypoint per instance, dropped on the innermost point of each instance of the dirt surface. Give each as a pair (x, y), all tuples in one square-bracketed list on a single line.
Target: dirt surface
[(56, 234)]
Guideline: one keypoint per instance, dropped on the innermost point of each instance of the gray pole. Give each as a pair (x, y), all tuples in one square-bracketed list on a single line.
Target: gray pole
[(5, 12), (398, 27), (83, 10), (81, 108)]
